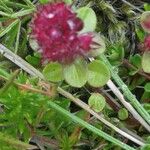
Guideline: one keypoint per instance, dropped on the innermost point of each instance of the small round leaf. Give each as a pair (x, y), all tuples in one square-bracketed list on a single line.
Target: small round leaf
[(89, 18), (97, 102), (98, 73), (53, 72), (146, 62), (76, 74), (123, 114)]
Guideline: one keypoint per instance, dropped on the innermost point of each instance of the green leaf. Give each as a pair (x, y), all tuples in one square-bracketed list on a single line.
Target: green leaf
[(33, 60), (44, 1), (141, 34), (145, 147), (147, 87), (22, 13), (146, 62), (123, 114), (7, 29), (89, 18), (98, 73), (116, 53), (133, 72), (136, 60), (76, 73), (97, 102), (53, 72), (68, 1), (147, 7), (4, 73), (29, 3), (4, 7)]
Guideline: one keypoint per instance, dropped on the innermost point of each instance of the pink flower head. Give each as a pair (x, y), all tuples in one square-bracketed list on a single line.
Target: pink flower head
[(56, 29), (146, 24), (147, 43), (145, 21)]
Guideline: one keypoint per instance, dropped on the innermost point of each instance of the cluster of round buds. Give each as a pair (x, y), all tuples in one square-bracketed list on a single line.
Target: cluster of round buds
[(56, 28)]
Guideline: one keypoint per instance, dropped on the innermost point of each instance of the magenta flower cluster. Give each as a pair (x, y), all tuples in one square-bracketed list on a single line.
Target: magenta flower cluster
[(56, 28)]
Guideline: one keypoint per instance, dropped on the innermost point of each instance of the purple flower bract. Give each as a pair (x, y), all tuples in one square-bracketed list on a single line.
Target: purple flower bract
[(147, 43)]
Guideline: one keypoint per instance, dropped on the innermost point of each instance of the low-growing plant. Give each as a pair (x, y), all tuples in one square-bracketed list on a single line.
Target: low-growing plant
[(74, 74)]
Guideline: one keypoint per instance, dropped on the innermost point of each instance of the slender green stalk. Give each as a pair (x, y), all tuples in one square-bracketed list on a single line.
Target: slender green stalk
[(19, 5), (18, 14), (5, 14), (29, 3), (22, 13), (8, 28), (4, 7), (126, 91), (17, 39), (88, 126), (15, 143)]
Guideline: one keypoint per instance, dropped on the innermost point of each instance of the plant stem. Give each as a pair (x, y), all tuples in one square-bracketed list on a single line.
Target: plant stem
[(18, 37), (15, 143), (129, 107), (126, 91), (88, 126)]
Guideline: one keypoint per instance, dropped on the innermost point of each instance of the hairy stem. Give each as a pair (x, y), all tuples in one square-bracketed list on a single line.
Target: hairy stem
[(129, 107), (127, 93)]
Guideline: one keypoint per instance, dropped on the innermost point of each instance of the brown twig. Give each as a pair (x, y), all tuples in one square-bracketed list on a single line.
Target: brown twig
[(141, 72), (29, 88)]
